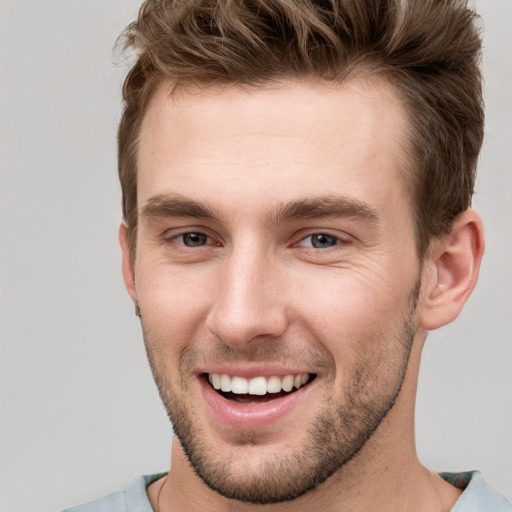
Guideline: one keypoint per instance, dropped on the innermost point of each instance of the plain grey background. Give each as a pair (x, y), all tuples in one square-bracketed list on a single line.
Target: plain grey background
[(80, 414)]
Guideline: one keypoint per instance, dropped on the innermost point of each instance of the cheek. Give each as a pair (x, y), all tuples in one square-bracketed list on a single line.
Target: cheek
[(173, 302), (354, 313)]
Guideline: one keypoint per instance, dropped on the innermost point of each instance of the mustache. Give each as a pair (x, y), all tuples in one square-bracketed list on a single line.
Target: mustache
[(268, 351)]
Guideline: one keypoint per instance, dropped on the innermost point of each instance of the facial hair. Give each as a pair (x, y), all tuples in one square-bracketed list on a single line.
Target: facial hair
[(339, 432)]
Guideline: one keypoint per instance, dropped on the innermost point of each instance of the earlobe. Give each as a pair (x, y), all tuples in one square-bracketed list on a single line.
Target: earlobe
[(451, 271), (128, 263)]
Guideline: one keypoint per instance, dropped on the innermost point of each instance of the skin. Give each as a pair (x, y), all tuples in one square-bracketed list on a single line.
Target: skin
[(255, 291)]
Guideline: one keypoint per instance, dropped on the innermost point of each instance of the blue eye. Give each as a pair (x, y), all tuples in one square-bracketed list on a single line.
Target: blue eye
[(320, 241), (193, 239)]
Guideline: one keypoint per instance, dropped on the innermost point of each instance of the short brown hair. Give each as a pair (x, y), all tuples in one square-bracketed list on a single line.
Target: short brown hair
[(428, 49)]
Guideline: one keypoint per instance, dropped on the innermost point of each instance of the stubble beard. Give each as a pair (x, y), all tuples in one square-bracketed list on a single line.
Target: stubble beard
[(340, 431)]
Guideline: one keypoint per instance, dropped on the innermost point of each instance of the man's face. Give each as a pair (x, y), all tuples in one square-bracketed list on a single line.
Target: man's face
[(275, 248)]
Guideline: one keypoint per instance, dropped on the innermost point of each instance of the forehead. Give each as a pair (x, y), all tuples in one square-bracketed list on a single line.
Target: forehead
[(275, 142)]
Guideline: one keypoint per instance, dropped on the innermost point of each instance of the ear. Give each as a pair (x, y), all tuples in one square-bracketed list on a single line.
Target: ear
[(128, 263), (451, 271)]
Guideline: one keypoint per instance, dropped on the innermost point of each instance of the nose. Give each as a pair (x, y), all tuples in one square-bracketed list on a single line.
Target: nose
[(249, 303)]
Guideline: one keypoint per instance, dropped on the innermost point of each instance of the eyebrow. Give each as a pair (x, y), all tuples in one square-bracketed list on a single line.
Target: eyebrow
[(163, 206), (322, 207)]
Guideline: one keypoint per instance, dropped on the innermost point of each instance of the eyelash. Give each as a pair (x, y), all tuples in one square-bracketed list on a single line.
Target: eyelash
[(175, 238), (334, 238)]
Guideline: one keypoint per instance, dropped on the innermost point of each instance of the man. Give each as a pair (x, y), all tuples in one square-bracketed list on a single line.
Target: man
[(297, 178)]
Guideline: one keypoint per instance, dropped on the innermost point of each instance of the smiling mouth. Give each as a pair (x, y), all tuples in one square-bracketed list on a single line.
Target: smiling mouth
[(257, 390)]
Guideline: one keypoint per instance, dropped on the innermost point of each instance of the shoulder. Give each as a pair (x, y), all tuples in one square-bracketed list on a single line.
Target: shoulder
[(133, 498), (477, 496), (115, 502)]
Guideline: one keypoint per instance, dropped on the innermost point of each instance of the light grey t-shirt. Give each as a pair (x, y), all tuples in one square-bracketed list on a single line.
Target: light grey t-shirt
[(477, 496)]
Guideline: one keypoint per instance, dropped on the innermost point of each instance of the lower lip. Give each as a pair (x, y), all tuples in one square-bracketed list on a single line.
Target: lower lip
[(250, 416)]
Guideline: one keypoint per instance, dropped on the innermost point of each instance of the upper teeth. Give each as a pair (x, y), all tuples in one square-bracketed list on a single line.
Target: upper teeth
[(256, 385)]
